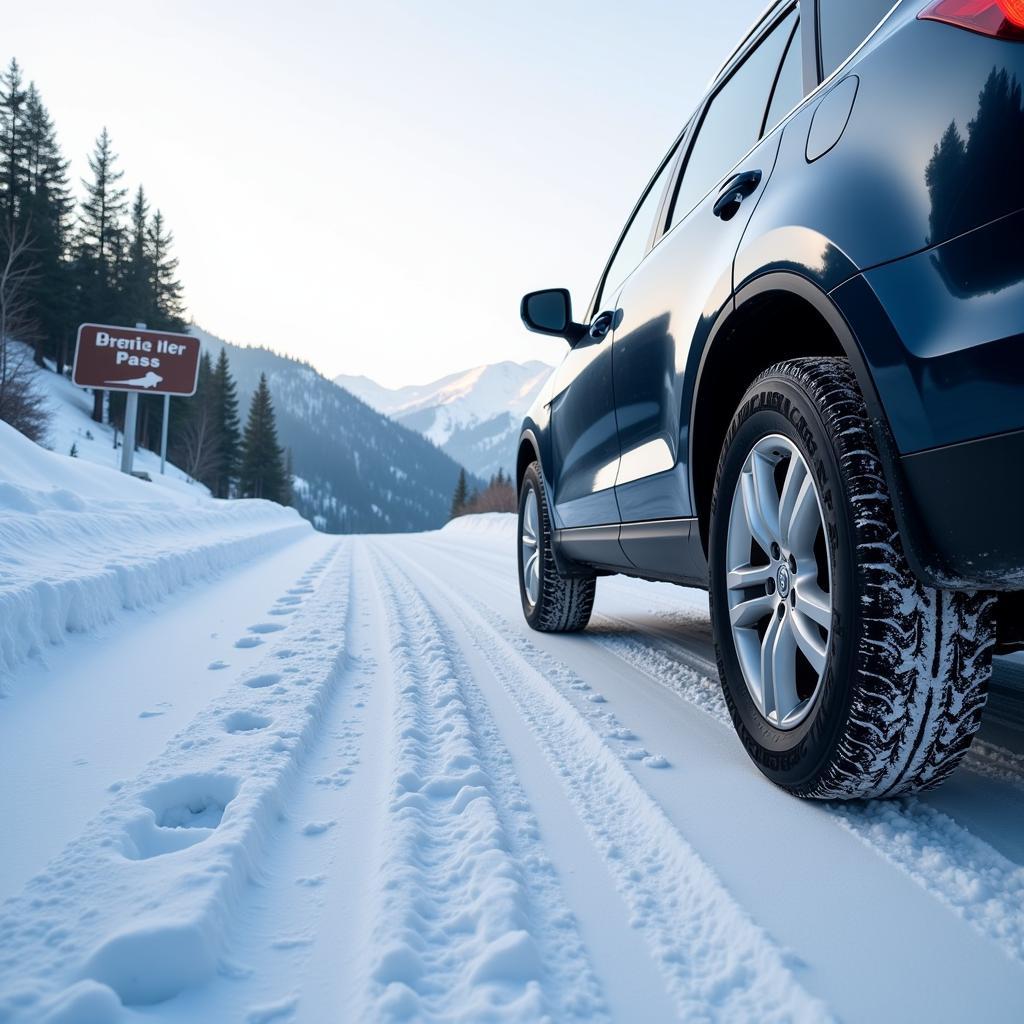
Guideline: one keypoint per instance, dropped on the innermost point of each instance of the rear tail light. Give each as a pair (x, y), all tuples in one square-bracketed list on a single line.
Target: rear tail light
[(1003, 19)]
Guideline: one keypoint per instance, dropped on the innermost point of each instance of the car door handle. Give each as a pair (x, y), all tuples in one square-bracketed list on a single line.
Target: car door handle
[(737, 188), (601, 325)]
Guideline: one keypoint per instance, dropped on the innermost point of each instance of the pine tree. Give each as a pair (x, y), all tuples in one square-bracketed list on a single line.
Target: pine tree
[(461, 495), (13, 146), (138, 301), (168, 303), (99, 255), (262, 471), (224, 401), (48, 209)]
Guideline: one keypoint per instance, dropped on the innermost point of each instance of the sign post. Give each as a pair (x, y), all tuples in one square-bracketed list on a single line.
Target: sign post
[(163, 433), (131, 422), (136, 360)]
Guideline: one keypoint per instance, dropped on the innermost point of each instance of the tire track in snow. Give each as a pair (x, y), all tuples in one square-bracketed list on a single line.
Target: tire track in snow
[(960, 870), (694, 674), (471, 924), (716, 962)]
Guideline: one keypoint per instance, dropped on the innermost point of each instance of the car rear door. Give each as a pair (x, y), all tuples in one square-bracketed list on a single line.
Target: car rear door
[(668, 304)]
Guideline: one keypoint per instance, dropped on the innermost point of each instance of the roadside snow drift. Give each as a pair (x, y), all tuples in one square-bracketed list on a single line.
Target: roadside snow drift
[(79, 543)]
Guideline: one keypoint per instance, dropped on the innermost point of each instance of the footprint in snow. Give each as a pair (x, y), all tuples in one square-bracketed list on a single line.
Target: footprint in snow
[(318, 828), (266, 627), (245, 721), (248, 641), (596, 698), (261, 681), (150, 714), (271, 1012), (656, 761)]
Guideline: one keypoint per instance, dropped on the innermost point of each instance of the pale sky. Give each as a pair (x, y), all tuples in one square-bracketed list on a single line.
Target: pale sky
[(372, 186)]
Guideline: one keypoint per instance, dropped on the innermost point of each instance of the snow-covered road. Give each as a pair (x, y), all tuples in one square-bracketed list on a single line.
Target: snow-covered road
[(354, 786)]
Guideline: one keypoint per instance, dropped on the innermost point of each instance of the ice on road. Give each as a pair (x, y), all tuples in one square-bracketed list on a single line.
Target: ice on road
[(353, 785)]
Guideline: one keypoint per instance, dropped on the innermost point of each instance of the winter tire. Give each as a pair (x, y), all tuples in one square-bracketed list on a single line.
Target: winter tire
[(844, 675), (552, 603)]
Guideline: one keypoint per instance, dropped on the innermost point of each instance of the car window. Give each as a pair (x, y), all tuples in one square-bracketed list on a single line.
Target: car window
[(732, 120), (633, 246), (843, 25), (789, 89)]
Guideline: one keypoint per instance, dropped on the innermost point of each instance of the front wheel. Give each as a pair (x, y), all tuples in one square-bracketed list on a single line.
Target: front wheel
[(844, 675), (552, 603)]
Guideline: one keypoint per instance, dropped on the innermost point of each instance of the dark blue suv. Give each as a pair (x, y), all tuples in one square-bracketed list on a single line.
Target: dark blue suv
[(800, 385)]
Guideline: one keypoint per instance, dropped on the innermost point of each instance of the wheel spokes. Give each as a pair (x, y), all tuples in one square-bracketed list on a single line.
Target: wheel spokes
[(808, 640), (757, 526), (749, 613), (746, 576), (803, 521), (529, 546), (780, 612), (813, 602)]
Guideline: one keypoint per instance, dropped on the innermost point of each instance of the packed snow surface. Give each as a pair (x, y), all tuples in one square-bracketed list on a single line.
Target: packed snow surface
[(352, 785)]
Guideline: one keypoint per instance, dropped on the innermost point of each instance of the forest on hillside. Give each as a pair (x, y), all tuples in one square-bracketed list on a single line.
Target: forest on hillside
[(107, 258)]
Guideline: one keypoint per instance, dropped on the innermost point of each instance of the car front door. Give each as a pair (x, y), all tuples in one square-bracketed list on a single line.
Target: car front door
[(584, 430), (667, 306)]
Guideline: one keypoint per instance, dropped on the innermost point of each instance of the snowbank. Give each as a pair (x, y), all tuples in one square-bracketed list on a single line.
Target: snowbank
[(484, 524), (80, 542)]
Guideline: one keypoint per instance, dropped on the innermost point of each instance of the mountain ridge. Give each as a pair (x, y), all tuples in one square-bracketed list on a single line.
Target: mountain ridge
[(357, 470), (474, 414)]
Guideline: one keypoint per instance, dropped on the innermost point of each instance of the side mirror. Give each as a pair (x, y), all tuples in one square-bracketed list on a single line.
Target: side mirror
[(550, 312)]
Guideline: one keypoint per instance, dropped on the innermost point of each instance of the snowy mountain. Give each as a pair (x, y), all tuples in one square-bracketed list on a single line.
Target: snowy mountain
[(357, 470), (474, 415)]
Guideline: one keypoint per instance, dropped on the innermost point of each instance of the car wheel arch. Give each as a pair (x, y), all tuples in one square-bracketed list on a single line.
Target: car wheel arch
[(802, 321)]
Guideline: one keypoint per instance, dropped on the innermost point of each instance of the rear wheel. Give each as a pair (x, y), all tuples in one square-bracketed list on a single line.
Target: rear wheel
[(844, 676), (552, 603)]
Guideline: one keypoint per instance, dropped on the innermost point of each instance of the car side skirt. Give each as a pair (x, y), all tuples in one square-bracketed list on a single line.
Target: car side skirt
[(666, 550)]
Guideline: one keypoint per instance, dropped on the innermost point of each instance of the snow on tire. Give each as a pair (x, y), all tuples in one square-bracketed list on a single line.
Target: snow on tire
[(898, 671), (552, 603)]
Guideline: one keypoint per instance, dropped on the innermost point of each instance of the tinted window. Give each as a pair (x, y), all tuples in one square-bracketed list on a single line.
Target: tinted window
[(732, 122), (843, 25), (789, 89), (633, 247)]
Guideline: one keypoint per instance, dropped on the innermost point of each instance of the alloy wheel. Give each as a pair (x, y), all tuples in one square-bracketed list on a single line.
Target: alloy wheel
[(529, 548), (779, 581)]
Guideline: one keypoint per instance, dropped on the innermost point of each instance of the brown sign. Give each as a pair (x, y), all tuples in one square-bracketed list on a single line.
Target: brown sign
[(131, 359)]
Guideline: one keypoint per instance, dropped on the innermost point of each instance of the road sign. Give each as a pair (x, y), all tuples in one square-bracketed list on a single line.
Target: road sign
[(134, 360)]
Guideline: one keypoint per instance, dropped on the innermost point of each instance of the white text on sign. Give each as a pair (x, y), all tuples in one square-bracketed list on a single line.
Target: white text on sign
[(127, 346)]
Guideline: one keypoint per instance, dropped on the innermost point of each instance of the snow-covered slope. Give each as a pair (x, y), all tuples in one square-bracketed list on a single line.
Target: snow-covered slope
[(358, 470), (80, 542), (72, 427), (474, 415)]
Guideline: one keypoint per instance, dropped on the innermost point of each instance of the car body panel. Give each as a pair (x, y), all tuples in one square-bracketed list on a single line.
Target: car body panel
[(667, 307), (894, 211), (584, 436), (958, 371)]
